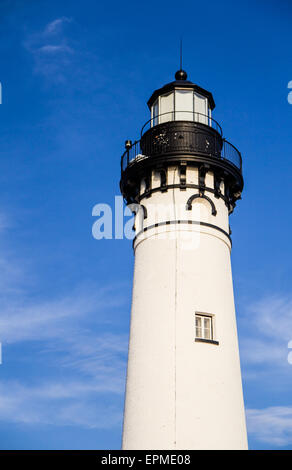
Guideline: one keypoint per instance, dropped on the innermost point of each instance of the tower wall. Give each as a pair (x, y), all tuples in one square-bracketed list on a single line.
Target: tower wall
[(181, 393)]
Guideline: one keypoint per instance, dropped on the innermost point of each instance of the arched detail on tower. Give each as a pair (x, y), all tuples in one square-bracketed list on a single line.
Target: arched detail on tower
[(135, 208), (163, 179), (202, 196), (140, 212), (144, 211)]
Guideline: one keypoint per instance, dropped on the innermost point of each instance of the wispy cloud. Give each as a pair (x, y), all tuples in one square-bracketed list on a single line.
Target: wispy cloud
[(268, 330), (59, 404), (92, 359), (73, 333), (56, 25), (271, 425), (265, 335), (21, 320), (50, 49)]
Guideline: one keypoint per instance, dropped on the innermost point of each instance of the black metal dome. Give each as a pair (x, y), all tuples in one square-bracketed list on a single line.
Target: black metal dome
[(181, 75)]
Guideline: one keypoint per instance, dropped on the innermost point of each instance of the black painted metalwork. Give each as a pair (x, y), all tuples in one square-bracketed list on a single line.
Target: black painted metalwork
[(202, 196), (210, 341), (177, 186), (181, 138), (169, 139), (181, 75), (229, 152), (182, 222), (132, 153)]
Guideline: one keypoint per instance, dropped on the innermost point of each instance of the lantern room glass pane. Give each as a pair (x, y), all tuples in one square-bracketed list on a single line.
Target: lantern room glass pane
[(166, 108), (155, 112), (184, 105), (201, 108)]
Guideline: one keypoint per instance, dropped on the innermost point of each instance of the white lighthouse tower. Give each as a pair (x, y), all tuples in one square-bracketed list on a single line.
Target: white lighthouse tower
[(182, 178)]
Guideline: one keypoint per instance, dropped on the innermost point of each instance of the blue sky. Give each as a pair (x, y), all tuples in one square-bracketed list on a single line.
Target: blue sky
[(76, 77)]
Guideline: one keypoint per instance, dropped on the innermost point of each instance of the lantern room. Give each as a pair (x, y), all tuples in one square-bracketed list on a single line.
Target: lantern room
[(181, 131), (181, 100)]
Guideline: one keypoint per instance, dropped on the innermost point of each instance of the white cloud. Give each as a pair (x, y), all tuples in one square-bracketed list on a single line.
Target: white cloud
[(72, 336), (274, 316), (263, 351), (269, 328), (271, 425), (265, 338), (56, 404), (22, 320), (80, 358), (51, 50), (56, 25)]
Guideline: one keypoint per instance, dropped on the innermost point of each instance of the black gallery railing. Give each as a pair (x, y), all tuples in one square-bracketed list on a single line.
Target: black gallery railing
[(135, 154), (179, 137)]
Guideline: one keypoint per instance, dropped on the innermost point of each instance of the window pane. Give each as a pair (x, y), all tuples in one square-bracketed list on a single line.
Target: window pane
[(198, 327), (207, 322), (155, 113), (207, 334), (207, 328), (201, 108), (166, 106), (184, 102)]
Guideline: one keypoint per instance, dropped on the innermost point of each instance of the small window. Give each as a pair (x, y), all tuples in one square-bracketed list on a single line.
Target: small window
[(204, 327)]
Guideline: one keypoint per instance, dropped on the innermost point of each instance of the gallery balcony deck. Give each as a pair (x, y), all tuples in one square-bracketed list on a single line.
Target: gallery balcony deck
[(201, 136)]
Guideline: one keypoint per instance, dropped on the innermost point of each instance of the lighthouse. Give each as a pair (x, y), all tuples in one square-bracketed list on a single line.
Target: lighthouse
[(182, 180)]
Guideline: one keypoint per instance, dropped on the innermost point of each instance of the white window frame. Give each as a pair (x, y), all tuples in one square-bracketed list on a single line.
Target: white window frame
[(211, 317)]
